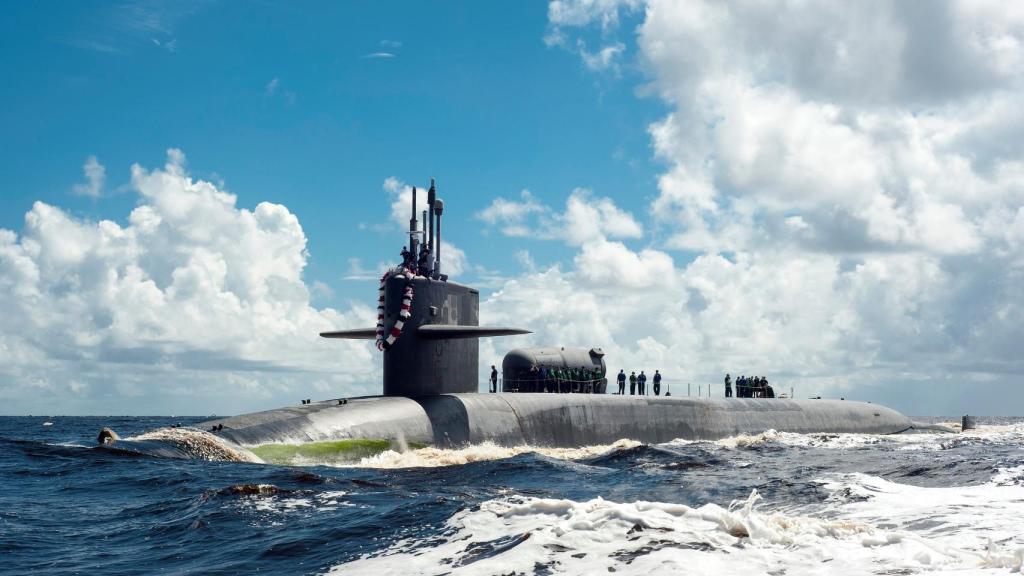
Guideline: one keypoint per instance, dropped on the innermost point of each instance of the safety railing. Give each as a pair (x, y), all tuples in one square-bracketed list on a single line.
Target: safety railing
[(550, 384), (607, 385)]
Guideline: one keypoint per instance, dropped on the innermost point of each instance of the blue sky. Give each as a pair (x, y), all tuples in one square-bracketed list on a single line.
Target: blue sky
[(313, 106), (828, 195)]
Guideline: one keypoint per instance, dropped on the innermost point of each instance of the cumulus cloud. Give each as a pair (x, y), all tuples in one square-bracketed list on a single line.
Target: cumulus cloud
[(586, 218), (841, 189), (95, 177), (191, 297)]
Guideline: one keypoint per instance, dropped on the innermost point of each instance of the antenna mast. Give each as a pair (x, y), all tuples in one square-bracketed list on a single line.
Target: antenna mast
[(413, 225)]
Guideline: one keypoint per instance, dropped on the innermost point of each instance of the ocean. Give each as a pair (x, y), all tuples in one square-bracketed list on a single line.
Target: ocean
[(774, 503)]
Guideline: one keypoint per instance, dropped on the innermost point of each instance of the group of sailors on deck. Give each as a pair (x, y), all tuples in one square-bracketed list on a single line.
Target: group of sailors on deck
[(564, 380), (749, 387)]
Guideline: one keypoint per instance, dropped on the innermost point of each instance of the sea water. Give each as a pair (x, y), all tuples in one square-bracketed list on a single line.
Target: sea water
[(772, 503)]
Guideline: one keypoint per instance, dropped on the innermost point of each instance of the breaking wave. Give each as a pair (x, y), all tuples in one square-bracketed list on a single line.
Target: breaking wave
[(435, 457), (196, 444)]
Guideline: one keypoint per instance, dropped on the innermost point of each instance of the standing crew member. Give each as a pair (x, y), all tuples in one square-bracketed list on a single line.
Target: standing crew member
[(657, 383), (622, 382), (728, 386), (494, 379), (632, 383), (642, 383)]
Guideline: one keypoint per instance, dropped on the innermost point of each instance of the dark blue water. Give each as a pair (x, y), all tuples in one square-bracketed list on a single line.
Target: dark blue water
[(69, 508)]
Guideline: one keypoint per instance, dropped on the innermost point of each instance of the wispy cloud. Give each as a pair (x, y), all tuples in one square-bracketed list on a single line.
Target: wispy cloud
[(275, 88), (169, 45), (125, 26), (356, 270), (379, 55), (95, 177)]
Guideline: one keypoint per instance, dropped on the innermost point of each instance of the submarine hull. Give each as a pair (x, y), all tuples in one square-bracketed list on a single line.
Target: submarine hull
[(551, 420)]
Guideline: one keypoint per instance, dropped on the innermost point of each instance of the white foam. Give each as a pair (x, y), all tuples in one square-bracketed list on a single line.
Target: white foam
[(998, 434), (869, 526), (200, 444), (434, 457), (273, 507)]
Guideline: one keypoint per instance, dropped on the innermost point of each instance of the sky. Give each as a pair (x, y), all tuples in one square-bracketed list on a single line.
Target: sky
[(829, 195)]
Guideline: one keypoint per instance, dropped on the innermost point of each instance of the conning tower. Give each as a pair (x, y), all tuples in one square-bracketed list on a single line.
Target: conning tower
[(427, 326)]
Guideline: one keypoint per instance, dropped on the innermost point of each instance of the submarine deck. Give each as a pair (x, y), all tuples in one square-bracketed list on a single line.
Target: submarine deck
[(554, 420)]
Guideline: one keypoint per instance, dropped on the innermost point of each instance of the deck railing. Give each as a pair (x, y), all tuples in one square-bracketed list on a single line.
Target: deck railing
[(606, 385)]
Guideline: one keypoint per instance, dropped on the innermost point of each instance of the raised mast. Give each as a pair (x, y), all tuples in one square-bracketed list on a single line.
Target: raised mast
[(431, 198), (438, 207), (413, 225)]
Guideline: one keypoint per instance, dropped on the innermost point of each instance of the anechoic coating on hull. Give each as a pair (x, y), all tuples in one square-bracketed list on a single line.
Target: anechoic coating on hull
[(555, 420)]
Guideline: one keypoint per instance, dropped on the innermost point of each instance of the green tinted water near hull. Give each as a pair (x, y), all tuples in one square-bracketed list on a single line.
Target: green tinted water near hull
[(327, 452)]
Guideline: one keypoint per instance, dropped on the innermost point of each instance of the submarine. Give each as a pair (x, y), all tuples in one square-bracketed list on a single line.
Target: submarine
[(428, 333)]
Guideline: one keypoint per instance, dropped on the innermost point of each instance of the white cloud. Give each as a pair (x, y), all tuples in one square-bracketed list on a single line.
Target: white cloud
[(604, 60), (512, 215), (95, 178), (271, 88), (586, 218), (192, 293), (576, 13)]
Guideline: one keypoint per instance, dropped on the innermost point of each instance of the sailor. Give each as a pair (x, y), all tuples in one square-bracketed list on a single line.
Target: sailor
[(632, 383), (424, 265), (642, 383), (657, 383), (494, 379), (768, 391), (543, 385), (728, 385), (741, 387), (408, 260), (622, 382), (533, 382)]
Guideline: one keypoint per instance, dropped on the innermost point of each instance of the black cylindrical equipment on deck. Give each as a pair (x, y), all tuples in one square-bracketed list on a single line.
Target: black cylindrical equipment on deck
[(554, 370)]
